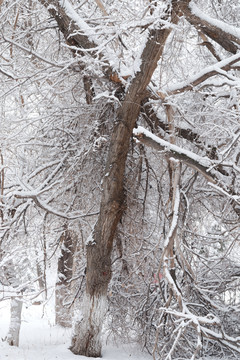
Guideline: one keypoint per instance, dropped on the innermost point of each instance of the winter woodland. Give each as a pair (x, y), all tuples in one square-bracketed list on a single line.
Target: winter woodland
[(119, 172)]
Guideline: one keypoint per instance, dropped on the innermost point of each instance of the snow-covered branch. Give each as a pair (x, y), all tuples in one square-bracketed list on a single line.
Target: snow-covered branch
[(225, 35), (33, 53), (203, 75), (78, 34), (232, 31), (199, 163)]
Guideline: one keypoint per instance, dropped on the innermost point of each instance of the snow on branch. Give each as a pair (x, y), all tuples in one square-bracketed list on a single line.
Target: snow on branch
[(231, 30), (199, 163), (26, 191), (82, 25), (8, 74), (75, 30), (203, 75), (33, 53), (79, 36), (227, 36), (208, 326)]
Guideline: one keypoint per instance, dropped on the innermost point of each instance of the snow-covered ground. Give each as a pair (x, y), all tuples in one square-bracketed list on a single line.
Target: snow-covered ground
[(40, 339)]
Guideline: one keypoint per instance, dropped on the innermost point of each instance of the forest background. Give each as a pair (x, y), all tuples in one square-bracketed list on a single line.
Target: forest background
[(120, 171)]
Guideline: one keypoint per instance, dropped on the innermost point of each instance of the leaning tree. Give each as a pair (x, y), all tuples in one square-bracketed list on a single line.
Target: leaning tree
[(138, 106)]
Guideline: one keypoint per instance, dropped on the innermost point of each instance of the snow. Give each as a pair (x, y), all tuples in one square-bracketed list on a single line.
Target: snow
[(207, 70), (31, 52), (40, 339), (90, 240), (97, 42), (204, 161), (175, 217), (234, 31), (75, 17)]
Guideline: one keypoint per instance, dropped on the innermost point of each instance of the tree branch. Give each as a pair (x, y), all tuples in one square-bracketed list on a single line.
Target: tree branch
[(77, 33), (203, 75), (199, 163), (225, 35)]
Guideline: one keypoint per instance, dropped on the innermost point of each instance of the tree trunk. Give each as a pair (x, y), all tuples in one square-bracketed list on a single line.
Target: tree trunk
[(86, 339), (63, 285), (15, 322), (88, 327)]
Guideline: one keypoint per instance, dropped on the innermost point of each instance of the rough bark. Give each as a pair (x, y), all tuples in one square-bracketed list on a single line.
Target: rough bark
[(15, 322), (112, 202), (67, 26), (86, 340), (89, 91)]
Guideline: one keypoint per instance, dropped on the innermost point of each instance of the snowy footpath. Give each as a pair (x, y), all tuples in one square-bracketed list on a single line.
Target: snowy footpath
[(41, 340)]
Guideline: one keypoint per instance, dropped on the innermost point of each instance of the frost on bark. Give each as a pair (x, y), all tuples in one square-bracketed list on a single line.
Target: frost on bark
[(15, 322), (63, 285)]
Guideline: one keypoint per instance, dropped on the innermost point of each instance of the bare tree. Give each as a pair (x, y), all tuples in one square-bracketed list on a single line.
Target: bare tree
[(173, 69)]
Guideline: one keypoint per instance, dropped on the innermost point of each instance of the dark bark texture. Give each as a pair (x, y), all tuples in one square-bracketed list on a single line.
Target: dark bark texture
[(112, 202)]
